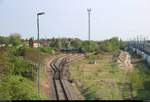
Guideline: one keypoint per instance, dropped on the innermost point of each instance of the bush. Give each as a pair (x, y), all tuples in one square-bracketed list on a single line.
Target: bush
[(16, 76), (17, 87), (17, 51), (111, 45), (24, 68), (46, 50), (89, 46)]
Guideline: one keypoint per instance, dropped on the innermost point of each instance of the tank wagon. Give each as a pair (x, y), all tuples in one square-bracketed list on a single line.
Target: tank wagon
[(144, 55)]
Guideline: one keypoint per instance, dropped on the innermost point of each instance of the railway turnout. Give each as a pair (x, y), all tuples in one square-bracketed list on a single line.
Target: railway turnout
[(61, 87)]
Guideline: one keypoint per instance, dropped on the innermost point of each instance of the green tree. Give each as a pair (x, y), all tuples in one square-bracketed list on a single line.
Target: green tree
[(89, 46), (58, 43), (14, 39), (2, 40), (76, 43), (110, 45)]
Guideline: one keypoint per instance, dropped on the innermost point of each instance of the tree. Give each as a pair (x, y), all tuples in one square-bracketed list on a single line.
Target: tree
[(58, 43), (14, 39), (2, 40), (76, 43), (52, 43), (31, 42), (89, 48), (110, 45)]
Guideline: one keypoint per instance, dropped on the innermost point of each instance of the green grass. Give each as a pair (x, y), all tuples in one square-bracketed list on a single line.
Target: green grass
[(141, 80), (103, 79), (100, 79)]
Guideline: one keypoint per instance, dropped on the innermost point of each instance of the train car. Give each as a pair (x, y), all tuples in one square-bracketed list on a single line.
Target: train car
[(140, 53), (73, 50), (148, 60), (133, 49), (145, 56), (137, 51)]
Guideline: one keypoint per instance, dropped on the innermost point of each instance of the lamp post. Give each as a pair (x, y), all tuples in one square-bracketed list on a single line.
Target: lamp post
[(38, 66), (89, 25)]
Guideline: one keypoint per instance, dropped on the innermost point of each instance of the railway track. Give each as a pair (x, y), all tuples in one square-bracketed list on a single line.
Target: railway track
[(59, 85)]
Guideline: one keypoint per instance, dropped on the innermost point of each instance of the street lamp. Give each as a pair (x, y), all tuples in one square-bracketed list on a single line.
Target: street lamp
[(38, 66), (89, 12)]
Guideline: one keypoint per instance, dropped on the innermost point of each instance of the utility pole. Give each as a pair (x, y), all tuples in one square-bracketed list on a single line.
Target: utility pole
[(143, 41), (89, 26), (137, 42), (134, 42), (38, 39), (140, 41)]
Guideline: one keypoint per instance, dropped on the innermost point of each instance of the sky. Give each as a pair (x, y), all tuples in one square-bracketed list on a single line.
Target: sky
[(69, 18)]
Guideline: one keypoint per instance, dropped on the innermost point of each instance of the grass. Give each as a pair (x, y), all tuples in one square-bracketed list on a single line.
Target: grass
[(99, 81), (103, 80), (31, 54), (141, 80)]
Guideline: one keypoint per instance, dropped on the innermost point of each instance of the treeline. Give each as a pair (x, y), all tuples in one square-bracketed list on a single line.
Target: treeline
[(13, 39), (110, 45)]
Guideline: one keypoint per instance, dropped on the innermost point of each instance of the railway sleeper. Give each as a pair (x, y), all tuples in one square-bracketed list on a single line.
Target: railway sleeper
[(68, 89)]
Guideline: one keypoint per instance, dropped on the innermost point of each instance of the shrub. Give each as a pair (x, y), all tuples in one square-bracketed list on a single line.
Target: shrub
[(46, 50), (17, 87)]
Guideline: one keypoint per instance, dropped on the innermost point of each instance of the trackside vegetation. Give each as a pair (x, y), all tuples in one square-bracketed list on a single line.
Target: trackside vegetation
[(18, 63), (17, 76), (105, 80), (18, 69)]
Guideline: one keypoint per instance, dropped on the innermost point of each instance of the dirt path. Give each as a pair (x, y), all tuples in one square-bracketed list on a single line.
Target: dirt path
[(124, 61), (46, 83)]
